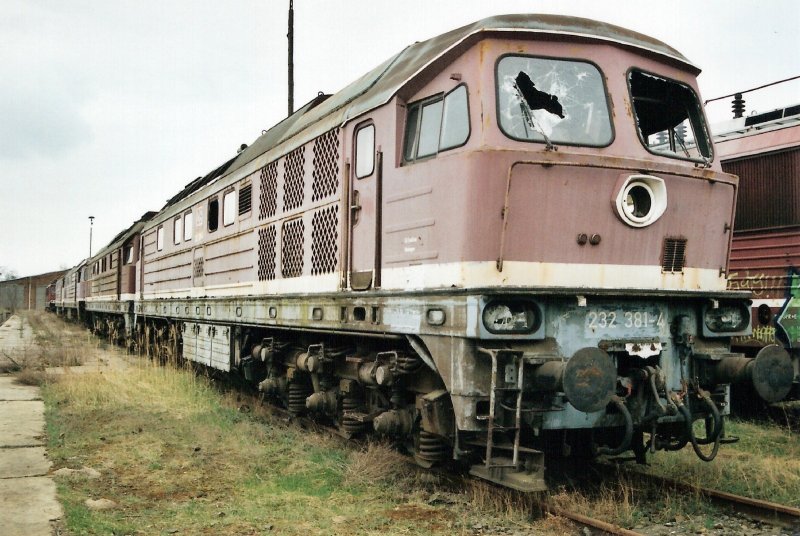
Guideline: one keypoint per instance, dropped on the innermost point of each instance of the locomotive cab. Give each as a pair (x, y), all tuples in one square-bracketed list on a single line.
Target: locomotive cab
[(567, 186)]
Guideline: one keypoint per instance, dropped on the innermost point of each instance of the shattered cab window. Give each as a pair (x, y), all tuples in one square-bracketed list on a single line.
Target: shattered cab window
[(552, 101), (668, 117)]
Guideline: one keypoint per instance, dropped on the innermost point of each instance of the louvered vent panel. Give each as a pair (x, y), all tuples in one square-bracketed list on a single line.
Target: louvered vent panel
[(199, 269), (674, 255), (266, 253), (326, 166), (324, 238), (268, 195), (245, 199), (292, 248), (293, 179)]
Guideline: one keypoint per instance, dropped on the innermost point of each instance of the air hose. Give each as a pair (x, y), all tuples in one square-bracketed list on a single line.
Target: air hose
[(687, 416), (626, 440)]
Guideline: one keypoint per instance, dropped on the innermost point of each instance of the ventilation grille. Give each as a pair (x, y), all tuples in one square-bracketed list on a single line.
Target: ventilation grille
[(326, 166), (268, 195), (245, 199), (292, 248), (293, 179), (198, 267), (266, 253), (674, 255), (324, 237)]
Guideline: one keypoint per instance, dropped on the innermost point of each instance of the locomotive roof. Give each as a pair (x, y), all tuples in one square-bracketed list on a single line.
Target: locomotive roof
[(379, 85), (124, 235)]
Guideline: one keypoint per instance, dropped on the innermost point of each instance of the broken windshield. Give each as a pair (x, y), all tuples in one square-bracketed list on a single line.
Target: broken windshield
[(668, 117), (552, 101)]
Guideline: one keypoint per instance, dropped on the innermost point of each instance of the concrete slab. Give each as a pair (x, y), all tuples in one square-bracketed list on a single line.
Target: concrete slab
[(27, 500), (21, 423), (9, 390), (28, 505), (15, 463)]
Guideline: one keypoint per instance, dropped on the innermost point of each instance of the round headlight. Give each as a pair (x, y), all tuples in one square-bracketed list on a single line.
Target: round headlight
[(637, 201), (510, 317), (641, 200)]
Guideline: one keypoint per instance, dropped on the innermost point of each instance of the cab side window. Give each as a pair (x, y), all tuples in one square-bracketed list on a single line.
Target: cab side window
[(437, 124), (229, 207), (213, 215), (365, 151)]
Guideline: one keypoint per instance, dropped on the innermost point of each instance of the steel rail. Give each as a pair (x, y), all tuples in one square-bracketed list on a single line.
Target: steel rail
[(770, 512), (603, 526)]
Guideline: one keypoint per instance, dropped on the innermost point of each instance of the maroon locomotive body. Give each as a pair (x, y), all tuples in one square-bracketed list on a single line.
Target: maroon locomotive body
[(507, 241)]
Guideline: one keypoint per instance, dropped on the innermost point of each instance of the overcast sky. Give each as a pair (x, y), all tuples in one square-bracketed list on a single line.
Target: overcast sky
[(109, 107)]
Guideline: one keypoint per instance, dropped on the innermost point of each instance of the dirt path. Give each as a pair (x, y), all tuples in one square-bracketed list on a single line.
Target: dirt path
[(28, 502)]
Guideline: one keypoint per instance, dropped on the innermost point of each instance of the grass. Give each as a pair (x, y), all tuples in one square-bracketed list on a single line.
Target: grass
[(764, 464), (177, 454), (54, 344)]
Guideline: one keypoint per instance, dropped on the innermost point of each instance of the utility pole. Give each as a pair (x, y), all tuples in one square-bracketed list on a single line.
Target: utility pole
[(290, 35), (91, 223)]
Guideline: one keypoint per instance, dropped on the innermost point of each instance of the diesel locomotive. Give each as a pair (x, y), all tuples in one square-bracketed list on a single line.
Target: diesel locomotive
[(505, 242), (763, 150)]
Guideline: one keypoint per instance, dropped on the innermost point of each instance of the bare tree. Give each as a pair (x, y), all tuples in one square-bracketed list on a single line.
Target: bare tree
[(7, 274)]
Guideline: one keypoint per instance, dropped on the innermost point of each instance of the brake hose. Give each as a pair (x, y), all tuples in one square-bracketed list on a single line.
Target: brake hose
[(690, 430), (626, 440)]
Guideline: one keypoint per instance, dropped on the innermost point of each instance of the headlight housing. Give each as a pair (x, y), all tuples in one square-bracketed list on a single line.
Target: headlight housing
[(510, 317), (641, 200), (727, 318)]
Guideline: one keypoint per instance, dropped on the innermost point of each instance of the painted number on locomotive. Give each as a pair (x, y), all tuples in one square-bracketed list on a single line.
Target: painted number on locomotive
[(604, 320)]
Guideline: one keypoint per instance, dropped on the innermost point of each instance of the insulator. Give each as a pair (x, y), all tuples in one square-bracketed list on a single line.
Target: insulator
[(432, 448), (680, 132), (661, 137), (738, 106), (298, 392)]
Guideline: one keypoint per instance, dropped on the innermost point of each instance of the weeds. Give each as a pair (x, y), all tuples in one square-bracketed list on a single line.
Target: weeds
[(378, 464), (764, 464), (175, 453)]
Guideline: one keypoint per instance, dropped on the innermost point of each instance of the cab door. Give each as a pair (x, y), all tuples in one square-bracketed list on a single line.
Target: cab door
[(365, 215)]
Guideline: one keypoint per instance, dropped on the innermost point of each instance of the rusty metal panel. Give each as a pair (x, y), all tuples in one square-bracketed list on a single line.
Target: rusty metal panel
[(540, 196), (190, 332), (220, 352), (229, 260), (207, 344), (769, 189), (762, 261)]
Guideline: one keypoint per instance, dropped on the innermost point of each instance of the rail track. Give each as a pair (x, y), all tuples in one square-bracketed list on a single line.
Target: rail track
[(766, 511), (603, 527)]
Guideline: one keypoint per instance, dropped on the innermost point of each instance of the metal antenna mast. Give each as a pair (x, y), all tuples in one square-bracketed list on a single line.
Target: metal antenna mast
[(290, 35), (91, 223)]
